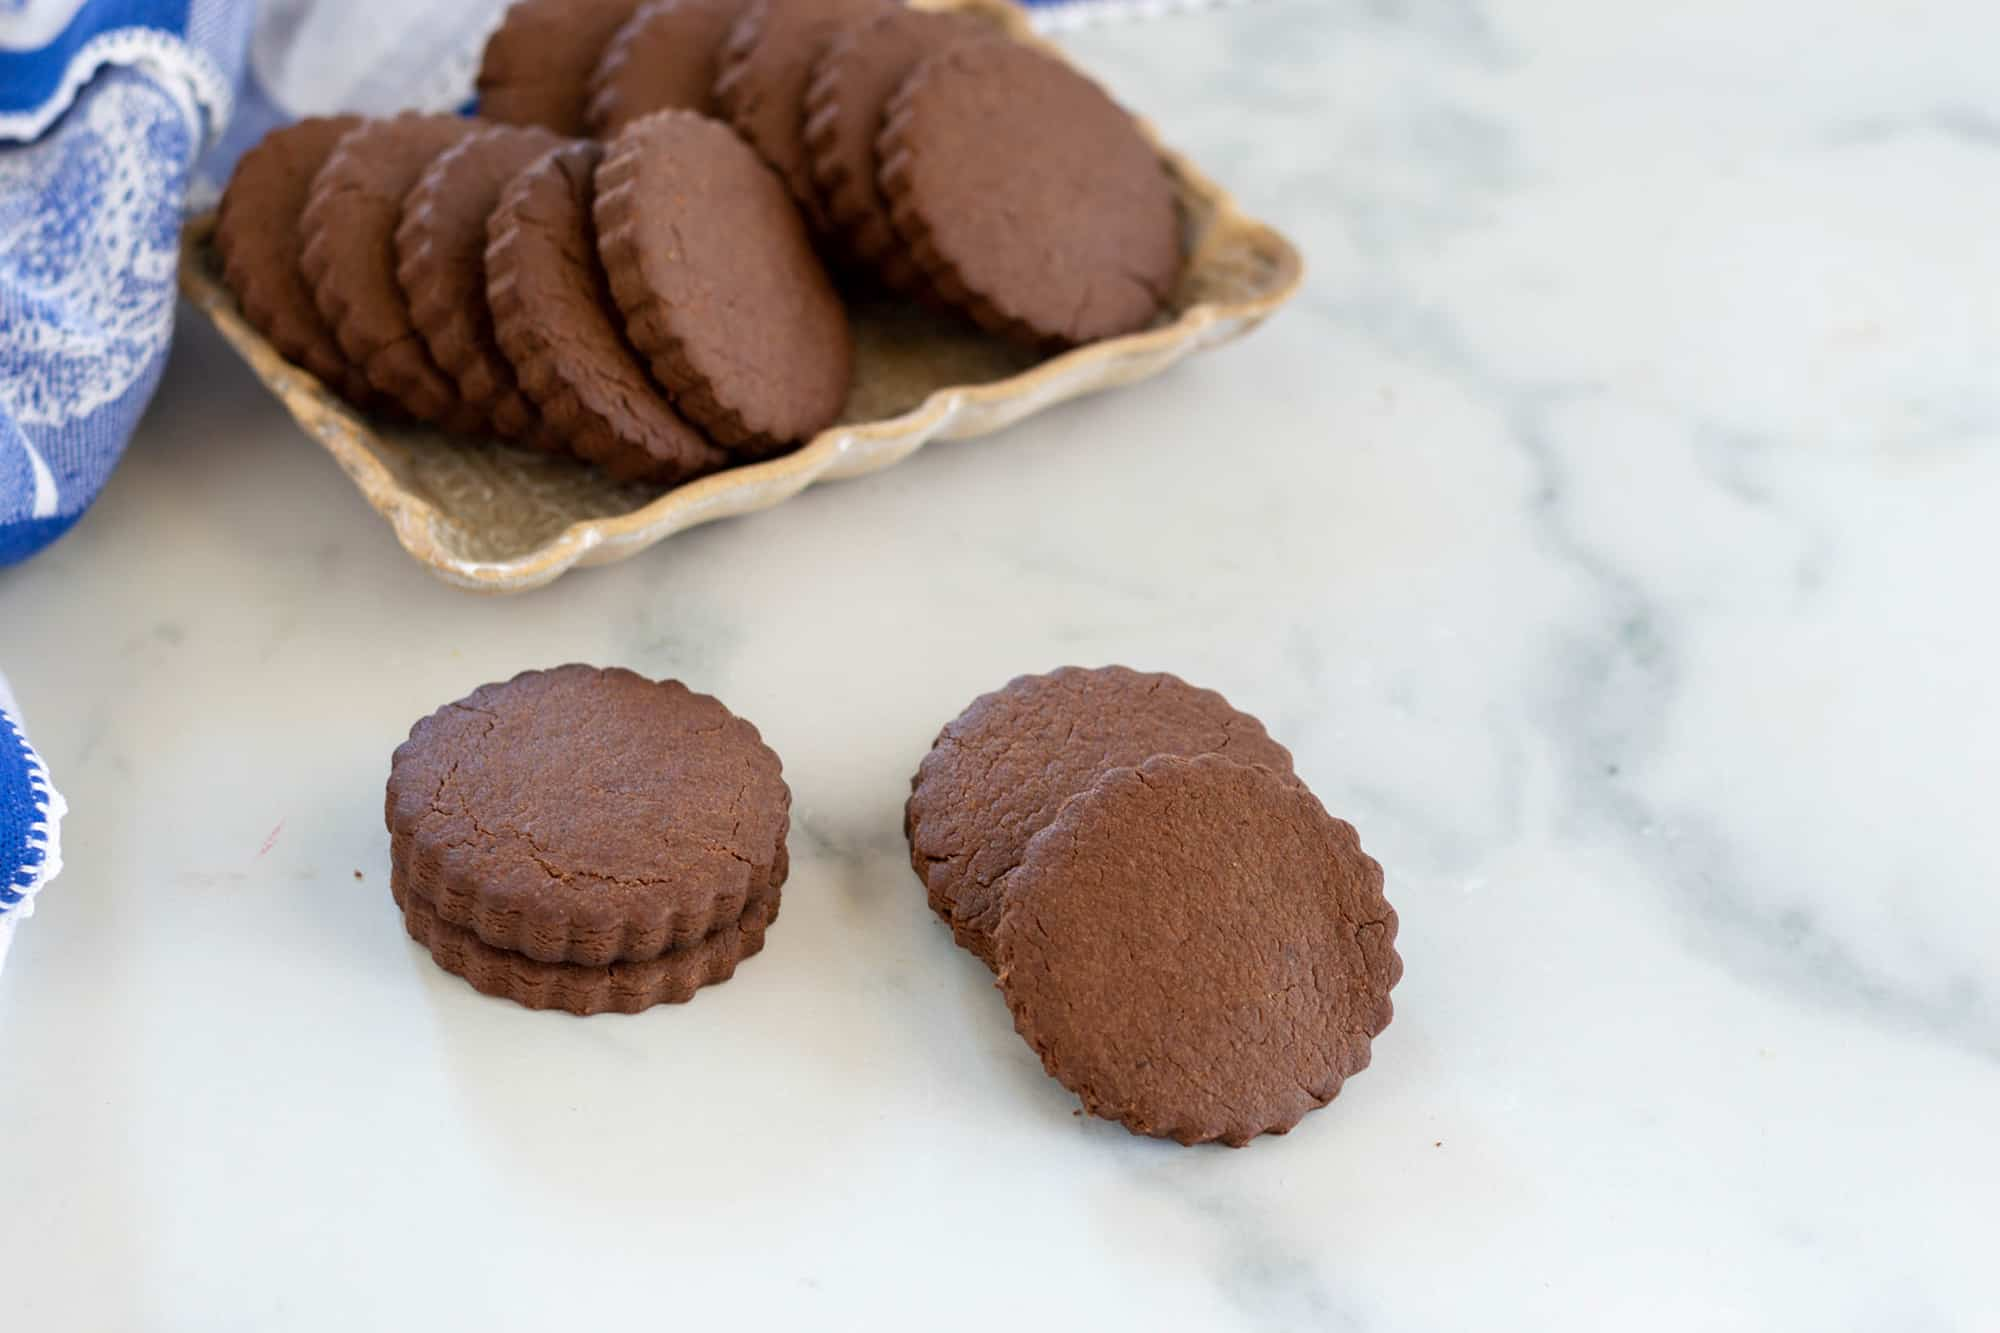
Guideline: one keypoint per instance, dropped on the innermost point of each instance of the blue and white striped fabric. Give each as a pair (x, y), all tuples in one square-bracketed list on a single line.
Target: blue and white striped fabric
[(31, 814)]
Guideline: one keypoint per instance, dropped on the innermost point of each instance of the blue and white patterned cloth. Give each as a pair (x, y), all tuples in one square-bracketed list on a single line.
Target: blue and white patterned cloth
[(31, 812), (115, 116)]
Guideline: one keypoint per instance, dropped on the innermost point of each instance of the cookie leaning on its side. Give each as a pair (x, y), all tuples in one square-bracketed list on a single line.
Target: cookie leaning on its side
[(257, 234), (349, 227), (764, 74), (1185, 937), (719, 283), (554, 317), (852, 82), (1088, 242), (666, 56), (537, 65), (1198, 950), (441, 264), (998, 773)]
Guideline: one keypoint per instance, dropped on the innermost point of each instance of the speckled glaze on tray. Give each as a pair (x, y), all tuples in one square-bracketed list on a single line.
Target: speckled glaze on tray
[(500, 518)]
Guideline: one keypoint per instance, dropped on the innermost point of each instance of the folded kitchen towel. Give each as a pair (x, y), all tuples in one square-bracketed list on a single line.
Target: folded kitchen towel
[(116, 117), (31, 812)]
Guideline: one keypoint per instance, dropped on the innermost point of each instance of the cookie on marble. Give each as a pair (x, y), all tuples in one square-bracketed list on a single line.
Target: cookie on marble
[(349, 227), (1001, 770), (1198, 950), (441, 264), (852, 83), (554, 318), (578, 988), (719, 283), (1053, 224), (258, 238), (537, 64), (765, 71), (587, 816), (666, 55)]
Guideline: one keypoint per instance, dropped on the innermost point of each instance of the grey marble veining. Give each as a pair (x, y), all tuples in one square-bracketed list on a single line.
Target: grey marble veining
[(1607, 529)]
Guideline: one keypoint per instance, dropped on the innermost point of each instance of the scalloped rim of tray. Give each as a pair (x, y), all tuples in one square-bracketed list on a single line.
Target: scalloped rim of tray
[(837, 453)]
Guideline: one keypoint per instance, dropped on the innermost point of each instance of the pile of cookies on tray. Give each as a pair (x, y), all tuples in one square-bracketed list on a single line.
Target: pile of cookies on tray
[(636, 251)]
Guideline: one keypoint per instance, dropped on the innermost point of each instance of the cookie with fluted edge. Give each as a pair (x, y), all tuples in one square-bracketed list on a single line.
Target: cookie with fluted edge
[(999, 772), (587, 816), (765, 71), (666, 55), (857, 74), (441, 264), (1198, 950), (719, 283), (257, 236), (1052, 224), (349, 260), (554, 317), (578, 988), (537, 65)]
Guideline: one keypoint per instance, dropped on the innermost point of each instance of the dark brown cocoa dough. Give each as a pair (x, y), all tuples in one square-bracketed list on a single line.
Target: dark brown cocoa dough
[(1198, 950), (554, 318), (349, 227), (719, 283), (1028, 197), (1000, 771), (856, 75), (666, 55), (537, 64), (441, 264), (765, 71), (257, 234), (587, 816), (580, 988)]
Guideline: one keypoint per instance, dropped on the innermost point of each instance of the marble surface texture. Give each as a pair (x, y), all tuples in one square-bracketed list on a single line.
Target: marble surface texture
[(1609, 529)]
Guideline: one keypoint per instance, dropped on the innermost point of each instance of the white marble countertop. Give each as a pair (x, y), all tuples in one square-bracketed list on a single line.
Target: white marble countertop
[(1608, 528)]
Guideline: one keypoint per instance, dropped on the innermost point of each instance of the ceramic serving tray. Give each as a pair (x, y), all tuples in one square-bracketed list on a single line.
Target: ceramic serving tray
[(499, 518)]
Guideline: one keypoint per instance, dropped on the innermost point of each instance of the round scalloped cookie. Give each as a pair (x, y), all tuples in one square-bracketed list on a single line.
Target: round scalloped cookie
[(1053, 224)]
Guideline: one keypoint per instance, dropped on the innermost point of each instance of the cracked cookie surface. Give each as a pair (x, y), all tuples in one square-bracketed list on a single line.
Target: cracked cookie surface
[(588, 816)]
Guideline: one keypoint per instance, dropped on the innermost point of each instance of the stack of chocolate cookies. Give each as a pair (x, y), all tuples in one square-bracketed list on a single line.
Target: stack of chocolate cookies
[(628, 255), (1185, 937), (587, 840)]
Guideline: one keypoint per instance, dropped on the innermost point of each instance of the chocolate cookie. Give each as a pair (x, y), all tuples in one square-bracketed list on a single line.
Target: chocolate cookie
[(719, 284), (851, 85), (537, 65), (665, 56), (553, 315), (765, 70), (1052, 222), (1198, 950), (623, 988), (257, 236), (1001, 770), (441, 264), (587, 816), (349, 225)]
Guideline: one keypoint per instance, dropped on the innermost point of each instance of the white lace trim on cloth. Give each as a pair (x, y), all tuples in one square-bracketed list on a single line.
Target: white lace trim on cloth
[(189, 76), (45, 833)]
